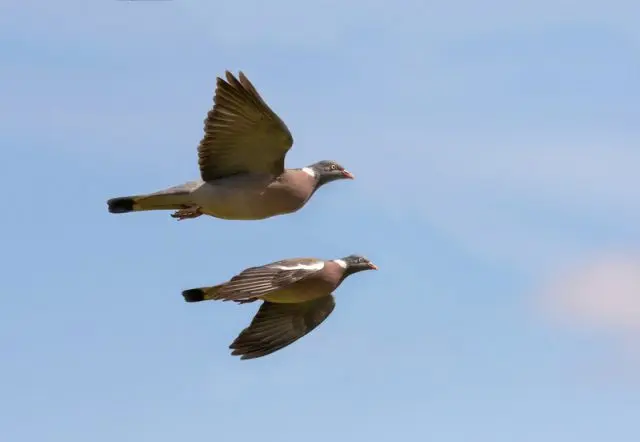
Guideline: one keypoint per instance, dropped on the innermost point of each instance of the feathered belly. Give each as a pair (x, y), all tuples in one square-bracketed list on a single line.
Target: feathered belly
[(302, 291), (245, 201)]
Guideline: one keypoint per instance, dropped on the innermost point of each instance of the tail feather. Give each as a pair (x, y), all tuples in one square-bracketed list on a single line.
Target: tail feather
[(121, 205), (200, 293), (209, 293), (174, 198)]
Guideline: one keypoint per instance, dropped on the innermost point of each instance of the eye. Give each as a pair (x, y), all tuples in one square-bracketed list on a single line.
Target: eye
[(333, 167)]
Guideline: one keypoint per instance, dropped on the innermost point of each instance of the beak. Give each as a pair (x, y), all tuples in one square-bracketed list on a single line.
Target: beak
[(348, 174), (372, 266)]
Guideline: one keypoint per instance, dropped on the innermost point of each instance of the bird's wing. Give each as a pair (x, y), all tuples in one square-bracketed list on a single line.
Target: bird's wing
[(258, 281), (277, 325), (242, 134)]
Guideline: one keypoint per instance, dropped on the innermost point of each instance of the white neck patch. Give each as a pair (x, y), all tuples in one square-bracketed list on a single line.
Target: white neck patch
[(314, 266), (309, 171), (341, 263)]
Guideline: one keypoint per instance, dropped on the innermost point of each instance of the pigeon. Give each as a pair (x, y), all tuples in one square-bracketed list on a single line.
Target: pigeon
[(297, 297), (241, 159)]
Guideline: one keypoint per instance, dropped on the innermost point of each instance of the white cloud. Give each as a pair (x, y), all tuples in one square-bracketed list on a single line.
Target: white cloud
[(602, 294), (599, 300)]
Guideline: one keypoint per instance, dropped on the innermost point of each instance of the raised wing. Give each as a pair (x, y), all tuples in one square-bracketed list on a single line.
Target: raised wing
[(258, 281), (242, 134), (276, 326)]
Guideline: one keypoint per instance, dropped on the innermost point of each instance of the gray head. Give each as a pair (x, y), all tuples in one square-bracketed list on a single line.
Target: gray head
[(355, 263), (327, 171)]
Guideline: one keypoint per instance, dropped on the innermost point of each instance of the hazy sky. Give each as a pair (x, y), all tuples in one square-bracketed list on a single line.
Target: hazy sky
[(496, 149)]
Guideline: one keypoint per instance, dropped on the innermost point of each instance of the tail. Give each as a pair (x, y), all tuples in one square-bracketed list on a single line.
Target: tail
[(200, 294), (173, 198), (208, 293)]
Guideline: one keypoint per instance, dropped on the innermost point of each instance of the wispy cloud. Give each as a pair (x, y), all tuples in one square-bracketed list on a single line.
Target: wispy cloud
[(292, 24), (601, 294), (529, 202), (511, 139), (598, 300)]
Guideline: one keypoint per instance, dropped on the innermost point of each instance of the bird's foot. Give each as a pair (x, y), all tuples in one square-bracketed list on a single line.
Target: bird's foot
[(189, 212), (245, 301)]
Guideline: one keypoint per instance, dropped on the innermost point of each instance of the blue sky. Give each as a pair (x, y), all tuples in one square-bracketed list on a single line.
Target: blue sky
[(496, 149)]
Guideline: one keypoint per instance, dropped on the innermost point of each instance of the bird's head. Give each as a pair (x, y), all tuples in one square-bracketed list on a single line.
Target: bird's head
[(326, 171), (355, 263)]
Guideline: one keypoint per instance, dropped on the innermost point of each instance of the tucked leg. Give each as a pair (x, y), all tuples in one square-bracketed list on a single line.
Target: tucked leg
[(246, 301), (187, 213)]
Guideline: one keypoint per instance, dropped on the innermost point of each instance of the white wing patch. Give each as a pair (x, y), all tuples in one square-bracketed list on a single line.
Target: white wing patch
[(315, 266), (309, 171), (341, 263)]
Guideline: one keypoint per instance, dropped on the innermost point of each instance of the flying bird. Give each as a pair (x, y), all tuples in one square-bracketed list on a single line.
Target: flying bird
[(241, 159), (297, 297)]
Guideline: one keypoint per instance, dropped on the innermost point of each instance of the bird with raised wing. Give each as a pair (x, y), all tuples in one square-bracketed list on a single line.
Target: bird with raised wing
[(297, 297), (241, 159)]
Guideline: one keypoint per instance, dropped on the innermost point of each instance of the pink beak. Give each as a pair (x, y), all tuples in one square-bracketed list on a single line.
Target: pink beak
[(348, 174)]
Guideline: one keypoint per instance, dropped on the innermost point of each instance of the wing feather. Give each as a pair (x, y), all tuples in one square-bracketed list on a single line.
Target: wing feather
[(276, 326), (242, 133), (255, 282)]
